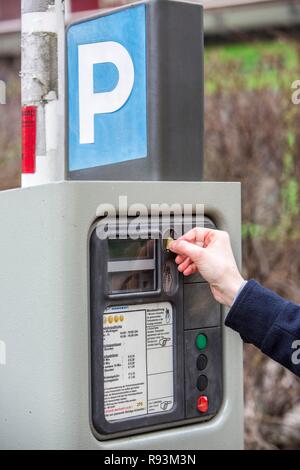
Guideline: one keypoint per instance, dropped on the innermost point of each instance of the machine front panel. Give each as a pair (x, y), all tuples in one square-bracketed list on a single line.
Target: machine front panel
[(156, 345)]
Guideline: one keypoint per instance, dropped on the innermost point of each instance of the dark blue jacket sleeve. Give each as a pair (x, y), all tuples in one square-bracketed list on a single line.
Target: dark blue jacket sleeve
[(271, 323)]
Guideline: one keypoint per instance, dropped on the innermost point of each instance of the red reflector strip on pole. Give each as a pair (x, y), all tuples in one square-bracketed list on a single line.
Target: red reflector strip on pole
[(28, 138)]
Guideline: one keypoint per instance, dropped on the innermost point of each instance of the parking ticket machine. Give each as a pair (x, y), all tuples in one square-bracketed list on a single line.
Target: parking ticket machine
[(156, 340), (103, 343)]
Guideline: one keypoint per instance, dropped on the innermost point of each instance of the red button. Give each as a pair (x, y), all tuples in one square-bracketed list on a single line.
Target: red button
[(202, 404)]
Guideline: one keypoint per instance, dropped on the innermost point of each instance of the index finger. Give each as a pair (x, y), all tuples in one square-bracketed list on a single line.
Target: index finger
[(196, 234)]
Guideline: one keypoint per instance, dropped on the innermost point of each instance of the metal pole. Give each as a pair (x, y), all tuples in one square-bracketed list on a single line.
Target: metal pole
[(42, 77)]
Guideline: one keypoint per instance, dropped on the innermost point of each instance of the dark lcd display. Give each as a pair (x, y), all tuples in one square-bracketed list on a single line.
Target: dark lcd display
[(119, 250), (135, 281)]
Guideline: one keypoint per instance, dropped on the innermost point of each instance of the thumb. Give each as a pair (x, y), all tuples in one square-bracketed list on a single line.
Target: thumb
[(182, 247)]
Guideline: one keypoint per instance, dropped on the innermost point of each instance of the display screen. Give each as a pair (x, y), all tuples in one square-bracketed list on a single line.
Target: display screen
[(130, 249), (131, 266), (135, 281)]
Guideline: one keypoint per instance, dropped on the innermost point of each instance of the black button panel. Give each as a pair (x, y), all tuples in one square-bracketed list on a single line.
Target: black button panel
[(209, 362)]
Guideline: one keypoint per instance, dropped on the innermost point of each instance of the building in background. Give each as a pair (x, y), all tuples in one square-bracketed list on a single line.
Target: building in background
[(10, 22), (10, 27), (235, 16), (221, 17)]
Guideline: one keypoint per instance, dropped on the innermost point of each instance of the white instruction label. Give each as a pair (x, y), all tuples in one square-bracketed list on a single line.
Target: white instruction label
[(138, 360)]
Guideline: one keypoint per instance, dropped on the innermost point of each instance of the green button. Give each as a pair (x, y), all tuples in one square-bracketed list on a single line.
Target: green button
[(201, 341)]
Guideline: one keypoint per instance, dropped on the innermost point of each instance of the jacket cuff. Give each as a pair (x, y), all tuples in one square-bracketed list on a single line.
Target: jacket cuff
[(254, 312)]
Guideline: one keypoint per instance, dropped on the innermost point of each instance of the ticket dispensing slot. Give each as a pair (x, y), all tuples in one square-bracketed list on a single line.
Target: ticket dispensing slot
[(155, 339)]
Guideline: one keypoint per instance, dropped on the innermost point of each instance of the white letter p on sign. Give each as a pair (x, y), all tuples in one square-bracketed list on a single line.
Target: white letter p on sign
[(91, 103)]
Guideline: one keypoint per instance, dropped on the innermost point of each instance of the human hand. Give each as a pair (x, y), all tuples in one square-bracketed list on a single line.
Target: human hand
[(209, 252)]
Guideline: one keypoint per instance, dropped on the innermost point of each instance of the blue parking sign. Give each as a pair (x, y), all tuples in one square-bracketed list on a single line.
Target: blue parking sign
[(107, 115)]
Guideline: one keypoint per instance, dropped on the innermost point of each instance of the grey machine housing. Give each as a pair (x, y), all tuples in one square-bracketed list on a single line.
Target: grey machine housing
[(46, 392)]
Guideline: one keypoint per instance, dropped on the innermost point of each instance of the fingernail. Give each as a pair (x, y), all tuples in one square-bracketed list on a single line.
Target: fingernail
[(172, 245)]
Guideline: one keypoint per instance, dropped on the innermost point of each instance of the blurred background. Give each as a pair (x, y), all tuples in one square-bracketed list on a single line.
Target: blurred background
[(252, 135)]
